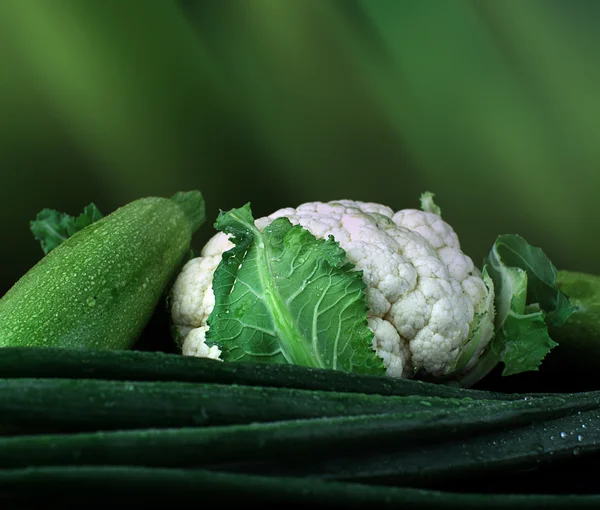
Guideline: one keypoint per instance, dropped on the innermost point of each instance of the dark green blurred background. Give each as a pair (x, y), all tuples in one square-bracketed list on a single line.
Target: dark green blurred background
[(493, 105)]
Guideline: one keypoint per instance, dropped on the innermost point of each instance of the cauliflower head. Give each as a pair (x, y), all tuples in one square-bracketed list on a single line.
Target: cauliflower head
[(430, 308)]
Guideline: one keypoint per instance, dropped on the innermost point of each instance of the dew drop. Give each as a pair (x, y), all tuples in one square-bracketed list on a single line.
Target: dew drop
[(580, 438), (91, 301), (563, 434)]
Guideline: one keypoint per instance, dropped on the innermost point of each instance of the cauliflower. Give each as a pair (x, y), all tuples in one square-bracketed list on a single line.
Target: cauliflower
[(429, 308)]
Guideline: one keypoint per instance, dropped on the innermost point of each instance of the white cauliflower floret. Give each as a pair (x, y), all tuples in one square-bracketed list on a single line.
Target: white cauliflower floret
[(194, 298), (424, 295), (195, 345)]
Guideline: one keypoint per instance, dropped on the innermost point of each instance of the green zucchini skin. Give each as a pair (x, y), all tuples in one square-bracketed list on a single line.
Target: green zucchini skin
[(72, 486), (579, 338), (136, 365), (99, 288)]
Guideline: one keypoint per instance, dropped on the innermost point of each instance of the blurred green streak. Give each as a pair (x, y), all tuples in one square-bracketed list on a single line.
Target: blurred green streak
[(117, 74), (493, 105)]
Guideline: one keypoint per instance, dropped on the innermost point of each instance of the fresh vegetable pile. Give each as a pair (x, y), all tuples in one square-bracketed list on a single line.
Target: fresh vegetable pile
[(354, 286), (82, 425), (292, 390)]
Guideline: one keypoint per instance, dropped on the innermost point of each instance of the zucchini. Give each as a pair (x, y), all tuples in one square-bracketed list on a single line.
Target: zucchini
[(99, 288), (579, 338), (71, 405), (78, 485), (159, 366)]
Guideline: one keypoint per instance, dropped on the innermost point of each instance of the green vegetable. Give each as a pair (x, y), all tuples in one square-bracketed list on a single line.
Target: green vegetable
[(52, 227), (545, 443), (349, 436), (99, 287), (54, 362), (77, 485), (68, 405), (579, 337), (75, 419), (366, 447), (81, 430), (306, 440), (428, 205), (282, 295), (527, 302)]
